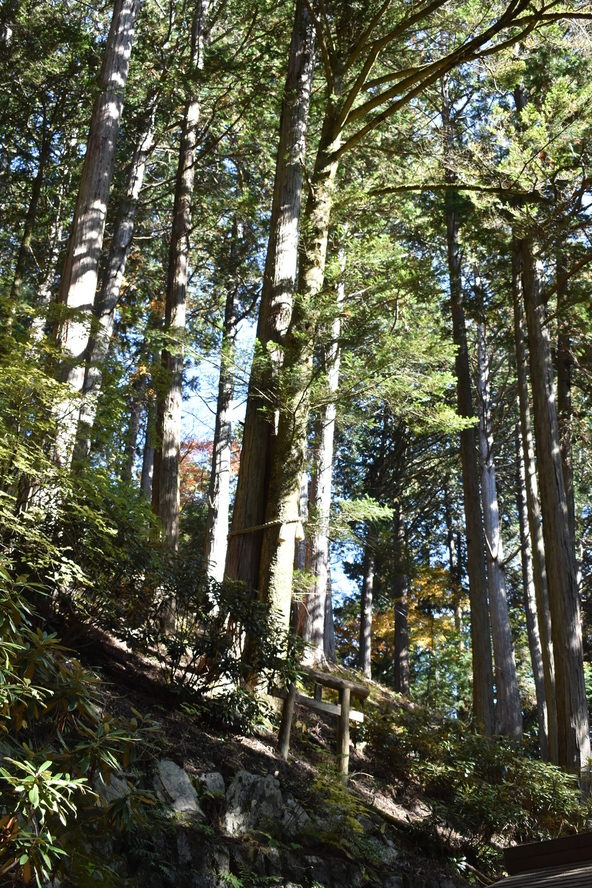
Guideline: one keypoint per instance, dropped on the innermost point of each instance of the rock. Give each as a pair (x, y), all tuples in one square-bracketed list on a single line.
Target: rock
[(212, 783), (184, 851), (294, 817), (389, 853), (112, 790), (220, 860), (174, 788), (252, 801), (273, 862), (393, 882), (318, 870)]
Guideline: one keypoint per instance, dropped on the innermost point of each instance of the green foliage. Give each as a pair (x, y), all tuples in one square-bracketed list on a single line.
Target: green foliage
[(199, 629), (236, 709), (54, 742), (479, 786), (354, 511)]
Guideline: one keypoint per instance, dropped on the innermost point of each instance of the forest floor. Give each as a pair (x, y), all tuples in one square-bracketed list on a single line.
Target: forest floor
[(185, 734)]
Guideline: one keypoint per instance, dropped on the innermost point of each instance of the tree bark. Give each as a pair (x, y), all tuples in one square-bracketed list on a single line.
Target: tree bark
[(572, 707), (365, 655), (530, 602), (289, 447), (329, 643), (165, 484), (80, 272), (400, 584), (565, 363), (219, 487), (475, 546), (131, 438), (244, 545), (454, 566), (508, 713), (102, 330), (535, 521), (320, 500), (147, 473), (24, 252)]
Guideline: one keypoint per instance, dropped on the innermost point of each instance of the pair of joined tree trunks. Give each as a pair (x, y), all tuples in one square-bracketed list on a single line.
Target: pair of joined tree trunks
[(342, 711), (557, 863)]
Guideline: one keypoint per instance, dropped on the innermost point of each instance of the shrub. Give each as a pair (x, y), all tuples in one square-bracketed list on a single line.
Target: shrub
[(54, 742), (481, 787)]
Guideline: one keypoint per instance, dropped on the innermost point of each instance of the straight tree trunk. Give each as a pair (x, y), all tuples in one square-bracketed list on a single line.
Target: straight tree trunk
[(321, 484), (400, 584), (454, 566), (480, 629), (80, 273), (289, 446), (530, 602), (98, 344), (535, 521), (165, 485), (572, 707), (508, 713), (366, 608), (475, 543), (565, 363), (244, 545), (41, 323), (329, 643), (131, 439), (148, 450), (219, 488), (24, 252)]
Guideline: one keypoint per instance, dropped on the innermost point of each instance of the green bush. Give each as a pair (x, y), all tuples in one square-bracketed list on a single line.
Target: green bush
[(54, 742), (481, 787)]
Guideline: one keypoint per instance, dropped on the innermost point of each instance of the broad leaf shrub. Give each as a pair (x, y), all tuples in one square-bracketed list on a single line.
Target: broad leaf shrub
[(485, 789), (54, 745), (200, 629)]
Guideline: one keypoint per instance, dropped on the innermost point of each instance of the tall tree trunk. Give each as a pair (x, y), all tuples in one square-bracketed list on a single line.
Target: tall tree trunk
[(289, 446), (475, 545), (147, 473), (165, 485), (321, 485), (572, 707), (131, 439), (249, 509), (366, 608), (454, 565), (41, 323), (530, 602), (24, 252), (329, 643), (80, 273), (565, 363), (400, 585), (508, 713), (535, 521), (219, 488), (102, 331)]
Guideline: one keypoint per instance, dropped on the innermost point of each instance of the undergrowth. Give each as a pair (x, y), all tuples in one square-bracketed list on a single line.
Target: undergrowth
[(483, 792)]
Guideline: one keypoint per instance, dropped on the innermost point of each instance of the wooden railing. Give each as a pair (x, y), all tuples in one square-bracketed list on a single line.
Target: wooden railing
[(341, 711)]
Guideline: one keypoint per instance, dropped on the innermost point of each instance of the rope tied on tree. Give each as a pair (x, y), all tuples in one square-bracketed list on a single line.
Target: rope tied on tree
[(272, 523)]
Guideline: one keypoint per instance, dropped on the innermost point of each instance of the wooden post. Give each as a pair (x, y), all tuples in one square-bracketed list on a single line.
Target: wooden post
[(286, 725), (343, 737), (318, 692)]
